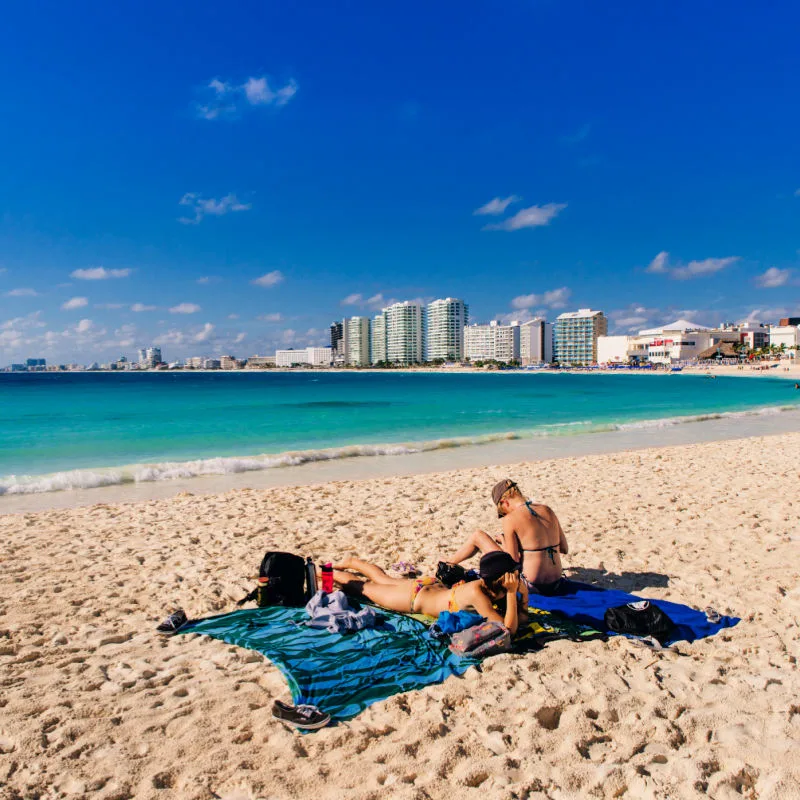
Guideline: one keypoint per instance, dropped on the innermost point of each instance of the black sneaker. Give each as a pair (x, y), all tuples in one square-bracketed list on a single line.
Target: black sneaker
[(307, 718), (173, 623)]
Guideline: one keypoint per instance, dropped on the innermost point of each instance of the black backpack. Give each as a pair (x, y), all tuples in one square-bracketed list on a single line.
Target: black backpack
[(640, 619), (285, 579)]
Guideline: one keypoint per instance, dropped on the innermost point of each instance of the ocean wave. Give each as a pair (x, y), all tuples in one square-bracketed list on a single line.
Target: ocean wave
[(226, 465)]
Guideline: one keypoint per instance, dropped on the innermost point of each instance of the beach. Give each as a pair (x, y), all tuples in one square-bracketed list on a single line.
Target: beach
[(96, 704)]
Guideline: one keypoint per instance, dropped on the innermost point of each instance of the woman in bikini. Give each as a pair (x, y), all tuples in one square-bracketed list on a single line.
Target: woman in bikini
[(532, 536), (499, 581)]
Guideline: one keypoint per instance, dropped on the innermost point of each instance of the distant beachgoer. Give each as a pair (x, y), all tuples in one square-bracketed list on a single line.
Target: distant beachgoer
[(499, 580), (532, 536)]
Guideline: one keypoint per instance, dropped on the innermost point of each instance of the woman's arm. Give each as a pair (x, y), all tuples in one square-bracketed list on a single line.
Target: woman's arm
[(483, 605)]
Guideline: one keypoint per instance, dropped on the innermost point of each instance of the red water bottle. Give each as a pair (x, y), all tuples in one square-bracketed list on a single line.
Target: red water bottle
[(327, 577)]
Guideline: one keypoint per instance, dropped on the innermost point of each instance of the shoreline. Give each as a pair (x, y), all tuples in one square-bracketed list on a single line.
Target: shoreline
[(97, 704), (400, 459)]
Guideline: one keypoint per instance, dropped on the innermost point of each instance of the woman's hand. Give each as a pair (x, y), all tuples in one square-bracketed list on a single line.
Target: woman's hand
[(511, 582)]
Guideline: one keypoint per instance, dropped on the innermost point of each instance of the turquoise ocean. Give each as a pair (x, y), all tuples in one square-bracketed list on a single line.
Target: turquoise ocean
[(78, 430)]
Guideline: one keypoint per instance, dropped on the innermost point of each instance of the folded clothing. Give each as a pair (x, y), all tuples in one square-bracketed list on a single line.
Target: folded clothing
[(333, 612)]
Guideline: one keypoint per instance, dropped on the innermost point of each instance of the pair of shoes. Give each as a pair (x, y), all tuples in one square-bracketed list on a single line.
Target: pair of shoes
[(173, 623), (307, 718), (713, 616)]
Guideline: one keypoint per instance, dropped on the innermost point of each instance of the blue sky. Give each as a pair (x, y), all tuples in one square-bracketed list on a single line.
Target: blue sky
[(161, 158)]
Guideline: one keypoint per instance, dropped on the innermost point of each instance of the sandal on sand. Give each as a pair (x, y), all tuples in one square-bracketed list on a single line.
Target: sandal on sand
[(173, 623), (305, 717), (712, 615)]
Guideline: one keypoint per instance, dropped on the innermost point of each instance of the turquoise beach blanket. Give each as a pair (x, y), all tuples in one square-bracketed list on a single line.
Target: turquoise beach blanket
[(341, 674)]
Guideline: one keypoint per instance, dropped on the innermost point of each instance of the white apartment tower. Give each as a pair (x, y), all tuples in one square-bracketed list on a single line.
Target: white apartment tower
[(445, 329), (149, 357), (377, 352), (575, 335), (535, 342), (492, 342), (405, 333), (355, 336)]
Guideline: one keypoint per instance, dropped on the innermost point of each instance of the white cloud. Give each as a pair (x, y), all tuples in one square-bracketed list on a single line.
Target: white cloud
[(273, 317), (707, 266), (352, 300), (556, 298), (223, 99), (204, 334), (660, 265), (22, 293), (139, 307), (233, 316), (75, 302), (773, 278), (83, 326), (99, 274), (378, 301), (532, 217), (269, 279), (185, 308), (240, 337), (109, 306), (202, 207), (171, 337), (497, 206), (207, 279)]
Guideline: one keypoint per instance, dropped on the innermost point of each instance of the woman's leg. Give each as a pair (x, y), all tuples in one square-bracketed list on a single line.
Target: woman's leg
[(394, 596), (372, 571), (478, 542)]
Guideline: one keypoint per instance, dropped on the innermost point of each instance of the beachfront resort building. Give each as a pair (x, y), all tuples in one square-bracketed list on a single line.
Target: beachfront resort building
[(492, 342), (575, 335), (149, 357), (405, 333), (786, 336), (337, 335), (445, 329), (535, 342), (377, 342), (621, 350), (307, 356), (260, 362), (355, 341)]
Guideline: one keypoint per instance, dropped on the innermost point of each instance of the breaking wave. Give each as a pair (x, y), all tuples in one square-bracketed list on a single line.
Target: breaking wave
[(172, 470)]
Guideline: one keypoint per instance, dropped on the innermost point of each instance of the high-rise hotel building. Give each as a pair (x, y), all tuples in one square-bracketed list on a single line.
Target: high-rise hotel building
[(405, 333), (575, 336), (535, 341), (356, 341), (492, 342), (446, 320), (377, 351)]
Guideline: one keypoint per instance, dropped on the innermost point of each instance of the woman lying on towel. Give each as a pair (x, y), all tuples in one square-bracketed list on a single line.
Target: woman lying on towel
[(499, 580)]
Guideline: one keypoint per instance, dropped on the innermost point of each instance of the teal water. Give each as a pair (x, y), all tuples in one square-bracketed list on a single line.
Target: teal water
[(62, 431)]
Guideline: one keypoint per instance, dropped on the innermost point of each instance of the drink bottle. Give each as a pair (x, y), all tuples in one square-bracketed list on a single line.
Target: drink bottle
[(311, 579), (327, 577)]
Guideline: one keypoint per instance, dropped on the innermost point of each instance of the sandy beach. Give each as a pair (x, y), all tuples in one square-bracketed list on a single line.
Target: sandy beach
[(95, 704)]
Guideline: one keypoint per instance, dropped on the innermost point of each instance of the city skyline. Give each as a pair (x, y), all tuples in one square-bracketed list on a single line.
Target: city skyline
[(225, 186)]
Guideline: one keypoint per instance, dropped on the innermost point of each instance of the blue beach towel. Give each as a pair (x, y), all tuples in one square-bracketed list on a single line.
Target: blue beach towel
[(341, 674), (587, 604)]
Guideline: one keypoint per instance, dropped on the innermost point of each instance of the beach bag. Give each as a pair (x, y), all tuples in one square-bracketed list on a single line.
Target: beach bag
[(481, 640), (640, 619), (284, 579)]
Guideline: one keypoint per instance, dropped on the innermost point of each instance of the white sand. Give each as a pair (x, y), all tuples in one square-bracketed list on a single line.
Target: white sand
[(94, 704)]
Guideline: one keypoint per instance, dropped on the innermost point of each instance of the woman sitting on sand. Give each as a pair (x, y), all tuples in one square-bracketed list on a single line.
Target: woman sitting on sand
[(499, 581)]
